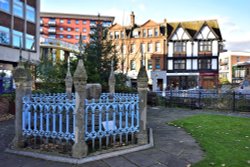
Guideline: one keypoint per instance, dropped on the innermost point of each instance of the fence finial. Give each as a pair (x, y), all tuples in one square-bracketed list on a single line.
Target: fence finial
[(112, 79)]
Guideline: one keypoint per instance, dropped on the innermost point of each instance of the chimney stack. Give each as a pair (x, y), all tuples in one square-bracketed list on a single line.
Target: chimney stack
[(132, 19)]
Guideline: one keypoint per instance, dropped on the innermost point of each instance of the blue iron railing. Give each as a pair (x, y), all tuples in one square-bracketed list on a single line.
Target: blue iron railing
[(52, 116)]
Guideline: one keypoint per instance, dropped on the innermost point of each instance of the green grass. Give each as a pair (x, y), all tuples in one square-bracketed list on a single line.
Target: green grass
[(225, 140)]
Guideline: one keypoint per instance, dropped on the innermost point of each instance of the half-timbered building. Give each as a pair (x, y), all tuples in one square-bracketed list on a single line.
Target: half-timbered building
[(193, 50)]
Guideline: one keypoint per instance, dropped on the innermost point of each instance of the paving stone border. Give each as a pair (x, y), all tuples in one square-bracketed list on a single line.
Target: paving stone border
[(88, 158)]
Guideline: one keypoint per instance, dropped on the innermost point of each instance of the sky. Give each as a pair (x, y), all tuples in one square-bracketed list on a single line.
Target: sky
[(233, 15)]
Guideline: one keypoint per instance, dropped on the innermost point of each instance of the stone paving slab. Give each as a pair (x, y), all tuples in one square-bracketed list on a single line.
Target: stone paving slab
[(173, 146)]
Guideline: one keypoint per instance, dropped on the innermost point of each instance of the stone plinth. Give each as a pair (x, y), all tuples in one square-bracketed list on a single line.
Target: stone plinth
[(94, 90), (142, 87), (80, 148), (23, 81)]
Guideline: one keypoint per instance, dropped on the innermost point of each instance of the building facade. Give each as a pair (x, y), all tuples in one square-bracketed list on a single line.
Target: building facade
[(193, 51), (67, 27), (19, 30), (229, 61), (135, 43), (178, 55)]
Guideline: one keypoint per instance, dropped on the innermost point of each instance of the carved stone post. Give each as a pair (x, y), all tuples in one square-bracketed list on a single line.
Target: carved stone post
[(142, 87), (23, 81), (112, 80), (68, 82), (80, 148)]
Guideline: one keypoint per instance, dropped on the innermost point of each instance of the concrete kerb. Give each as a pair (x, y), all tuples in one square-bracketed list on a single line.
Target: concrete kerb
[(86, 159)]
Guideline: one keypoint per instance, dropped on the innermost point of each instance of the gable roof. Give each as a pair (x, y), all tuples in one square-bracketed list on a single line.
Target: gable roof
[(149, 22), (177, 26), (193, 27), (116, 26)]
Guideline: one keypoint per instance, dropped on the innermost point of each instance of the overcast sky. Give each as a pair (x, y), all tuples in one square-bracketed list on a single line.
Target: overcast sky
[(233, 15)]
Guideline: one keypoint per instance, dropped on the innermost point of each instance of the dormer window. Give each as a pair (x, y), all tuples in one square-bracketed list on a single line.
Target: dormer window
[(144, 33), (150, 32), (136, 33), (111, 35), (117, 34), (122, 35), (156, 32)]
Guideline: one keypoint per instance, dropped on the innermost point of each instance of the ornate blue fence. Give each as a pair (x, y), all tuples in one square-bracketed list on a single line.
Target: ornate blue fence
[(107, 120)]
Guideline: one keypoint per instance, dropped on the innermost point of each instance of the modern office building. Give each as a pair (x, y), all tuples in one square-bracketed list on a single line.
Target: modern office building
[(67, 27), (229, 62), (182, 55), (19, 29)]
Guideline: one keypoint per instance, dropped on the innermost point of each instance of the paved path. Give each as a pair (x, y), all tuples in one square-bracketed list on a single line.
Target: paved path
[(173, 146)]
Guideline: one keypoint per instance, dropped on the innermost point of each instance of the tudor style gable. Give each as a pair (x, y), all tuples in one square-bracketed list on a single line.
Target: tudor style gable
[(180, 34), (207, 39), (206, 33)]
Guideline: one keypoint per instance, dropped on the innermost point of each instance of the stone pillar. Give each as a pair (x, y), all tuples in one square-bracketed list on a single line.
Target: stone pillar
[(142, 87), (80, 148), (68, 82), (112, 80), (23, 81)]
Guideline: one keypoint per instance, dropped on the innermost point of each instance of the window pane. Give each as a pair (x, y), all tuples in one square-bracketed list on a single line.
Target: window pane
[(52, 36), (150, 33), (157, 63), (157, 47), (17, 38), (77, 21), (179, 64), (150, 47), (4, 35), (84, 22), (149, 64), (179, 47), (132, 65), (5, 5), (30, 13), (30, 40), (18, 8)]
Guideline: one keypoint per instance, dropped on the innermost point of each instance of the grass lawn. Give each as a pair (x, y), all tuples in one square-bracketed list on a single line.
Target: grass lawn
[(225, 140)]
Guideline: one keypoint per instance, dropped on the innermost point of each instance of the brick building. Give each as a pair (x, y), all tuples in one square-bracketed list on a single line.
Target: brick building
[(181, 54), (229, 60), (67, 27), (136, 41), (19, 27)]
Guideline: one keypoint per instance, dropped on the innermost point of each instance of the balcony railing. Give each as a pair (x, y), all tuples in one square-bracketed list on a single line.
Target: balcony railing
[(52, 30), (52, 22), (55, 42)]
